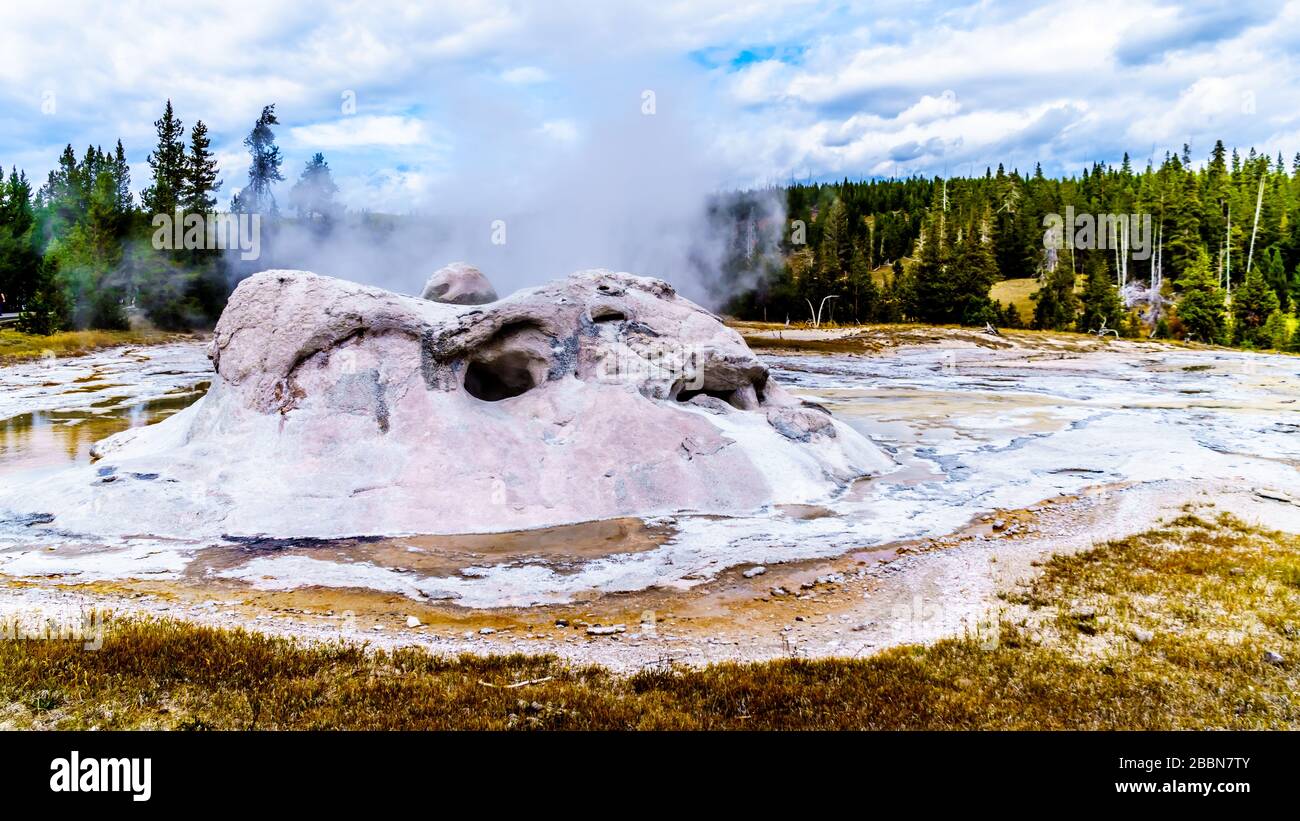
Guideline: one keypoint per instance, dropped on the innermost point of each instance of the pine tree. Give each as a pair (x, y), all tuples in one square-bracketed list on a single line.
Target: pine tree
[(1200, 310), (86, 230), (1273, 271), (1252, 304), (201, 184), (952, 278), (1101, 308), (893, 297), (1184, 238), (263, 167), (45, 309), (1276, 331), (1012, 225), (63, 197), (1055, 303), (1215, 199), (834, 253), (168, 165), (125, 201), (19, 258), (973, 273), (865, 292), (102, 227), (931, 296), (1011, 317), (313, 194)]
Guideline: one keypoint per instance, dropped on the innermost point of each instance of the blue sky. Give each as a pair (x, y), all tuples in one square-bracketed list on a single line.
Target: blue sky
[(486, 102)]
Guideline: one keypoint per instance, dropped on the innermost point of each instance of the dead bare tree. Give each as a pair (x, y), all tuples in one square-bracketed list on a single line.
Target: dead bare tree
[(1227, 253), (1259, 201), (1103, 330), (817, 314)]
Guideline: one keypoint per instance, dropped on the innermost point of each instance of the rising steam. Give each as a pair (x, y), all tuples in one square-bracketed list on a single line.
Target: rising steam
[(636, 192)]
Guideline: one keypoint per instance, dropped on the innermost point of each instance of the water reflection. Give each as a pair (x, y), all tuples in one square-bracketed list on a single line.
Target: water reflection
[(53, 439)]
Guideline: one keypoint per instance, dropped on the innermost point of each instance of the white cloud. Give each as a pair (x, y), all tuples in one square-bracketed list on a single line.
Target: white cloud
[(848, 91), (1209, 101), (928, 109), (565, 131), (525, 75), (356, 131), (1055, 82)]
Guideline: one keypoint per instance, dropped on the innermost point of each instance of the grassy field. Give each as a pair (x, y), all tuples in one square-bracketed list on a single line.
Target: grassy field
[(1016, 292), (1170, 629), (1007, 291), (18, 347)]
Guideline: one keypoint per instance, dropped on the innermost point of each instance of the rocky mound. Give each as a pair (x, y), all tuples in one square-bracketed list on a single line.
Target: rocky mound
[(339, 409), (460, 284)]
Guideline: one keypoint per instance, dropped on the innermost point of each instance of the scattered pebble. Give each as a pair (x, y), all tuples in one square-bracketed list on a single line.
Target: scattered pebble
[(754, 571)]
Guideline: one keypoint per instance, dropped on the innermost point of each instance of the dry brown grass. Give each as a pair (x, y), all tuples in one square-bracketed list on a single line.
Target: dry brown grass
[(18, 347), (862, 339), (1215, 597), (1016, 292)]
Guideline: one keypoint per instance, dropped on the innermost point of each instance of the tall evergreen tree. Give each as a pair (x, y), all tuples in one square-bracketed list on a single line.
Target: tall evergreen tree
[(125, 201), (263, 167), (973, 273), (1100, 300), (834, 252), (1184, 238), (1200, 309), (1272, 269), (865, 292), (167, 161), (1252, 304), (952, 278), (45, 308), (931, 292), (1055, 303), (19, 257), (312, 196), (201, 183), (63, 197)]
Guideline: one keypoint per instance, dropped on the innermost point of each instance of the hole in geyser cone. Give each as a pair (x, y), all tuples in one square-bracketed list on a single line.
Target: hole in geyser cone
[(743, 397), (509, 374), (725, 396)]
